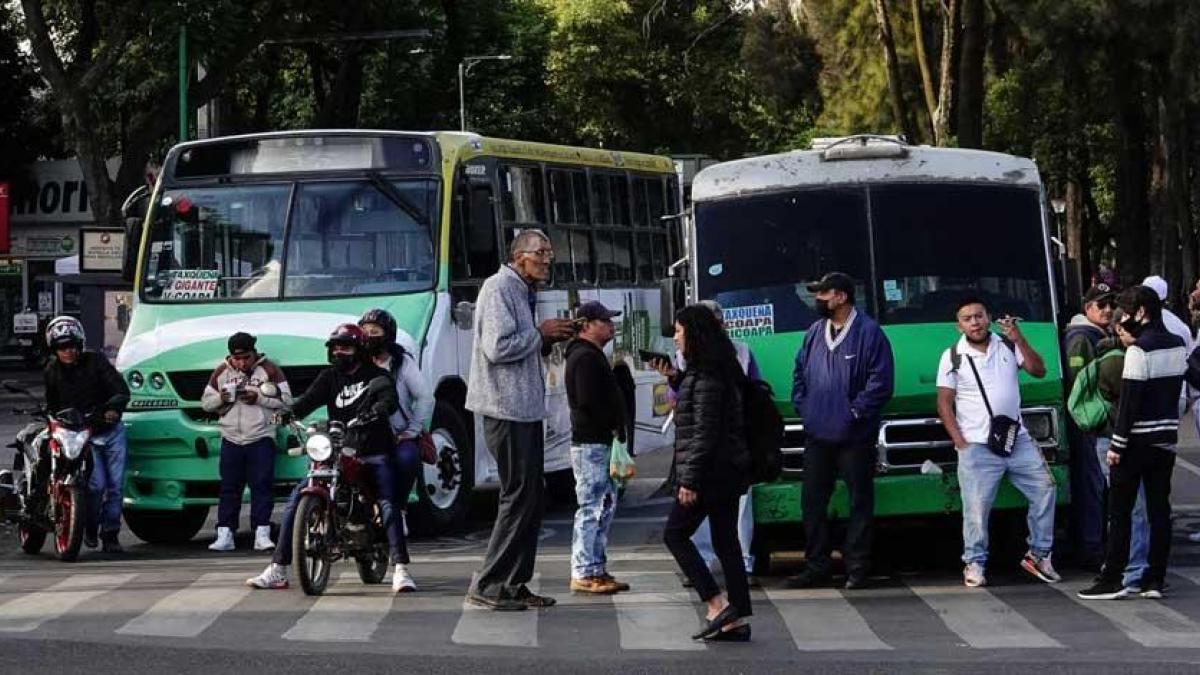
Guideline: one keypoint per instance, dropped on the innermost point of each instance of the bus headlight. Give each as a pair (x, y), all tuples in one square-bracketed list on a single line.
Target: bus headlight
[(318, 447), (136, 379), (1040, 425), (157, 381)]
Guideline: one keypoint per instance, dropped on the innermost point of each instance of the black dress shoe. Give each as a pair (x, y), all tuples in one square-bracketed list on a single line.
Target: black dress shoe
[(739, 634), (534, 600), (714, 626), (497, 604), (856, 582), (807, 578)]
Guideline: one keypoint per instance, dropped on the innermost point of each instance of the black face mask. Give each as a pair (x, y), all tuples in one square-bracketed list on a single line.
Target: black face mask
[(343, 362), (1133, 326), (823, 309), (376, 345)]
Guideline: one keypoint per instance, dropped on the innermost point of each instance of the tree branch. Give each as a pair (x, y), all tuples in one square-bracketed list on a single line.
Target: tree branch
[(43, 47), (109, 55)]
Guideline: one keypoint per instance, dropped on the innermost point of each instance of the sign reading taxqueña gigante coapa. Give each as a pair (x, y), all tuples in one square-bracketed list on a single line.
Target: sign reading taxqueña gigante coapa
[(190, 284)]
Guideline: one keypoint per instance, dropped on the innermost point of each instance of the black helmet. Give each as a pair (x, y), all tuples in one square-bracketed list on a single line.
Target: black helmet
[(385, 320)]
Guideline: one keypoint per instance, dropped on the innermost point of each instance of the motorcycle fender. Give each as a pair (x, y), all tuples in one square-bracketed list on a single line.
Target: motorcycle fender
[(319, 490)]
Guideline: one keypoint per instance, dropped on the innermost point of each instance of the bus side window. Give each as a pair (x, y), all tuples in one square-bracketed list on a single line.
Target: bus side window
[(483, 256)]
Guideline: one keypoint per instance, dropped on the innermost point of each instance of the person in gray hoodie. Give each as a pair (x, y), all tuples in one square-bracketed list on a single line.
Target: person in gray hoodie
[(507, 389), (247, 426)]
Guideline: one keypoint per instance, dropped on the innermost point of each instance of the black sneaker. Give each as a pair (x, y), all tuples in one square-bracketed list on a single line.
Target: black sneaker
[(531, 599), (497, 604), (856, 581), (90, 539), (807, 578), (1104, 590)]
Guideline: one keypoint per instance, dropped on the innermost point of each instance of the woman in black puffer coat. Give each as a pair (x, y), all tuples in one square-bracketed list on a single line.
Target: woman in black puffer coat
[(712, 467)]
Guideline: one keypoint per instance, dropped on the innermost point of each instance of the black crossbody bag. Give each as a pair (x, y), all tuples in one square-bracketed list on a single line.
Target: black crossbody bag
[(1002, 430)]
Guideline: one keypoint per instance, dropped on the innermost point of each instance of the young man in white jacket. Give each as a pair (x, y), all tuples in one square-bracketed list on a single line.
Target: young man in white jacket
[(247, 437)]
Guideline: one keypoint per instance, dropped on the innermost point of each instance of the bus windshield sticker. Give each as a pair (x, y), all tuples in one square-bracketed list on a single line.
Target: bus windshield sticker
[(750, 321), (190, 284), (891, 291), (716, 270)]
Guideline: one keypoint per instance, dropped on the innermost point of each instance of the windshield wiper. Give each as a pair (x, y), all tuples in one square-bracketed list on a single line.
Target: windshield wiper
[(397, 198)]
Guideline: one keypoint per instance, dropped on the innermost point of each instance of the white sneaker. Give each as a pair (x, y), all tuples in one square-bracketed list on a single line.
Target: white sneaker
[(401, 581), (1040, 568), (272, 578), (224, 540), (1195, 536), (973, 575), (262, 538)]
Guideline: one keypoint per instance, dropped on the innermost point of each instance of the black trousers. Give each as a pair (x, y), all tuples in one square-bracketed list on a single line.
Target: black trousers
[(722, 512), (519, 449), (823, 463), (1152, 467)]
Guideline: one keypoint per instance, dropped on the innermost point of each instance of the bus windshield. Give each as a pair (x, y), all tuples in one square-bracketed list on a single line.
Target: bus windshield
[(286, 241), (923, 248)]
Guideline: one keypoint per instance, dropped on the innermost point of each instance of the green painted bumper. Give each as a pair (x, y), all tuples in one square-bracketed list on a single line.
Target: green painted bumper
[(895, 495)]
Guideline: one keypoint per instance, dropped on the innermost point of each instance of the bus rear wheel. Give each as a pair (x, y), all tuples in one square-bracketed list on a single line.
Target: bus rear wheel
[(444, 489), (166, 527)]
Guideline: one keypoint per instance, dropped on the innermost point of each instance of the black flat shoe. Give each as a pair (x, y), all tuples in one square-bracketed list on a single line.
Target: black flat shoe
[(714, 626), (739, 634)]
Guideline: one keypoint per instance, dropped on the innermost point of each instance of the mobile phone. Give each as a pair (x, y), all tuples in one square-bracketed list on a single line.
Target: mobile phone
[(649, 356)]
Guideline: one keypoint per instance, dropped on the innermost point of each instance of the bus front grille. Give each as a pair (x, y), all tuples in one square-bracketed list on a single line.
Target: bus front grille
[(189, 384)]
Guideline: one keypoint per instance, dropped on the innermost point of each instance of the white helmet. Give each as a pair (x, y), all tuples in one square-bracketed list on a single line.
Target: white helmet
[(63, 331)]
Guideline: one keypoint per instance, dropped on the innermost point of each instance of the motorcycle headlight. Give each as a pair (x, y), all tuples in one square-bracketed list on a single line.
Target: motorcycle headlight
[(71, 442), (318, 447)]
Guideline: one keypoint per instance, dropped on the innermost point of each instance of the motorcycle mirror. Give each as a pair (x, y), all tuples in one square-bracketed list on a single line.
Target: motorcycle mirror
[(269, 389)]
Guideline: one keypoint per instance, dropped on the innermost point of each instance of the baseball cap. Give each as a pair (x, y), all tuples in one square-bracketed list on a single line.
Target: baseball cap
[(1156, 284), (240, 343), (594, 310), (1098, 292), (834, 281)]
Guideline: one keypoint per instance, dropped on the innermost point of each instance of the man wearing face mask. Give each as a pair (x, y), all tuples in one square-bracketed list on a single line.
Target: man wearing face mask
[(843, 378)]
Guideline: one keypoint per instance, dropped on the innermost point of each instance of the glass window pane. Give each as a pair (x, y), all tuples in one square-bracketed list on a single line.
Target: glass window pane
[(640, 214), (522, 196), (619, 187), (623, 256), (482, 254), (660, 256), (645, 259), (604, 256), (654, 193), (579, 193), (581, 253), (561, 206), (601, 202), (562, 256)]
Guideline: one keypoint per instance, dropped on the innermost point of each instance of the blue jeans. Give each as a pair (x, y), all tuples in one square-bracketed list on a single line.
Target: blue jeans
[(394, 474), (1139, 542), (107, 483), (253, 464), (283, 547), (979, 474), (597, 504), (1089, 480), (745, 527)]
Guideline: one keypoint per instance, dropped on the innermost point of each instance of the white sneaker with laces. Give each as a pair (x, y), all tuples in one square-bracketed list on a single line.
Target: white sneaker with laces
[(224, 540), (272, 578), (262, 538), (402, 582), (973, 575)]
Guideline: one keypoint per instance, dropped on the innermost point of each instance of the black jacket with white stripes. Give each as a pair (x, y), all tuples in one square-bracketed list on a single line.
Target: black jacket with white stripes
[(1148, 407)]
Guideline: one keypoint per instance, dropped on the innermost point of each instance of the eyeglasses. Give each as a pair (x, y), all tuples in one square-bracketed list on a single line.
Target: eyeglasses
[(1106, 304), (544, 253)]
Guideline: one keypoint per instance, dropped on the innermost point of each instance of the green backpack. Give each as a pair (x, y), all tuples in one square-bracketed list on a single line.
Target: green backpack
[(1085, 404)]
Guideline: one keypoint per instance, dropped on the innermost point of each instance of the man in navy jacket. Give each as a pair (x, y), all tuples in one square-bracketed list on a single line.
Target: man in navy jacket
[(843, 378)]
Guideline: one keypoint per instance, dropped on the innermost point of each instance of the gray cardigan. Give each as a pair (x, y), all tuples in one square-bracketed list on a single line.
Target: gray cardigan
[(506, 379)]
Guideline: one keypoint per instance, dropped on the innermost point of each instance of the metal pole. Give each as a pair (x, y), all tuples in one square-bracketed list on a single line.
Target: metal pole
[(183, 84), (462, 101)]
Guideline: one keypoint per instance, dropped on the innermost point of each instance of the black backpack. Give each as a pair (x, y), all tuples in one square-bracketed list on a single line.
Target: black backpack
[(764, 431)]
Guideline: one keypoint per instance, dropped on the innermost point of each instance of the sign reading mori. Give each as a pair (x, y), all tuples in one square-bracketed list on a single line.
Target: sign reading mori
[(101, 249)]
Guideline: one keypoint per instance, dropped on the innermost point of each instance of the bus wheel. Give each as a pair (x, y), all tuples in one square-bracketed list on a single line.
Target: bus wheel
[(560, 487), (166, 527), (444, 489)]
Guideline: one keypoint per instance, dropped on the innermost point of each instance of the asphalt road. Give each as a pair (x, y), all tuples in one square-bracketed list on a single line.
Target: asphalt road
[(184, 609)]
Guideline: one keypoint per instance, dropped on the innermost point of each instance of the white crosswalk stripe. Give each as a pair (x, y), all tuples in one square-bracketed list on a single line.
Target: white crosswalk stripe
[(190, 611), (1192, 574), (980, 618), (30, 611), (821, 619), (482, 626), (350, 611), (657, 613), (1147, 622)]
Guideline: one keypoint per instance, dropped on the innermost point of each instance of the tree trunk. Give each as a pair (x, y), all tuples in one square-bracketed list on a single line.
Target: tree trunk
[(1131, 213), (1177, 139), (923, 66), (895, 88), (971, 75), (946, 89)]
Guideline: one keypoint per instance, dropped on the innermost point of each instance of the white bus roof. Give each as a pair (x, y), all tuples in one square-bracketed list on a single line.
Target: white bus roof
[(806, 168)]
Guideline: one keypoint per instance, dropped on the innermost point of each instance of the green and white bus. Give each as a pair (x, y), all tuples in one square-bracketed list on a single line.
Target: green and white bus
[(919, 228), (285, 235)]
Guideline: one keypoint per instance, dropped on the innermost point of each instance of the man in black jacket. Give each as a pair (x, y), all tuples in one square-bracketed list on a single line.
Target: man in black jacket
[(86, 381), (597, 415)]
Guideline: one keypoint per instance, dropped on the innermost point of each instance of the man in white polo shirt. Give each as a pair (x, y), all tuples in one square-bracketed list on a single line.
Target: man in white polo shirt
[(981, 357)]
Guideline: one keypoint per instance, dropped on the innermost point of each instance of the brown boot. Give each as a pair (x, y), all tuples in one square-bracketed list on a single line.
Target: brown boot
[(621, 585), (593, 585)]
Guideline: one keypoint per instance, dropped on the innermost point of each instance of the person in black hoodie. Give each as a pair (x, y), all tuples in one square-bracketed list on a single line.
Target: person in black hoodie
[(353, 388), (597, 415), (87, 382), (712, 470)]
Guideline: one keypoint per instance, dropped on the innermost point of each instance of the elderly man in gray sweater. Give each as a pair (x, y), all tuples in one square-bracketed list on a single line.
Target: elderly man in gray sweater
[(507, 389)]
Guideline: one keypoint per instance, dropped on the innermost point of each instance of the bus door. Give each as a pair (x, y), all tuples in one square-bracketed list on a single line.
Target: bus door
[(474, 251)]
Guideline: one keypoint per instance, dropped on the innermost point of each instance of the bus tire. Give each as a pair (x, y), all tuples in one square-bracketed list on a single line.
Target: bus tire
[(444, 489), (166, 527), (560, 487)]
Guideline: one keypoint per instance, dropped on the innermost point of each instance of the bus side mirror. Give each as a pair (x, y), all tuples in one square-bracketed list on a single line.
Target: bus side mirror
[(134, 213), (672, 297)]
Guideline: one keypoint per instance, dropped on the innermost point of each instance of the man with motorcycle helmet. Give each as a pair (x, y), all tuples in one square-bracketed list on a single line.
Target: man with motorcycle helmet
[(86, 381), (398, 470), (353, 387)]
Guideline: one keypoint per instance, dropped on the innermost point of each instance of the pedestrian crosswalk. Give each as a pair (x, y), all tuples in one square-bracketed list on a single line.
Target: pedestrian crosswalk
[(656, 615)]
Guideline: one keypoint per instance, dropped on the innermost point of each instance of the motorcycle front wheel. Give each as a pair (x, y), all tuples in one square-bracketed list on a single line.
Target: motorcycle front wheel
[(310, 543), (69, 508)]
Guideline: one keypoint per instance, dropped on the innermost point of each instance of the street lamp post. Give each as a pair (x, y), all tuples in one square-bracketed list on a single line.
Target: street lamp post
[(464, 69)]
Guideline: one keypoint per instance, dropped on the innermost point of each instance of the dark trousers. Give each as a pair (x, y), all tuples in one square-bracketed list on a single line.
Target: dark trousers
[(283, 547), (722, 513), (394, 475), (1087, 493), (253, 463), (823, 463), (519, 449), (1150, 467)]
